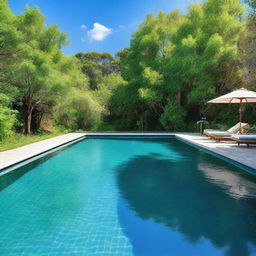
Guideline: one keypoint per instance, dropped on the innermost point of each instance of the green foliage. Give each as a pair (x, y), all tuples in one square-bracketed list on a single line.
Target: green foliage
[(96, 66), (252, 4), (18, 140), (108, 84), (250, 130), (79, 111), (34, 66), (173, 116), (247, 48), (177, 62), (106, 127), (7, 118)]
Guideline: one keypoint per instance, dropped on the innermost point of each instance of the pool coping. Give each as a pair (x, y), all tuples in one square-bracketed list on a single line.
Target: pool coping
[(229, 160), (58, 142), (227, 151)]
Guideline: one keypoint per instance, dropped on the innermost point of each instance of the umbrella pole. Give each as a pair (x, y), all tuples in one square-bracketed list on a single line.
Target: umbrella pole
[(241, 114)]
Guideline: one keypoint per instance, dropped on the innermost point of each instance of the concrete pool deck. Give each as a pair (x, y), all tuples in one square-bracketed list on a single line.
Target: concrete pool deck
[(243, 155), (228, 149), (14, 156)]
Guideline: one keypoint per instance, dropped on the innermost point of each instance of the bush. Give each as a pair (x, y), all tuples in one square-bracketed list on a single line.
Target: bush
[(7, 117), (173, 117), (106, 127), (79, 112), (250, 130)]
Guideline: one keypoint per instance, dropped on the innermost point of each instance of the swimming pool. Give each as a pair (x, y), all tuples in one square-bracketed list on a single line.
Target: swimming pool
[(136, 197)]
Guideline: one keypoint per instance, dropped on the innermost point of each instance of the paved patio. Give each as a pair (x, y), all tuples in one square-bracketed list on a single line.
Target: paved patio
[(243, 155), (229, 149)]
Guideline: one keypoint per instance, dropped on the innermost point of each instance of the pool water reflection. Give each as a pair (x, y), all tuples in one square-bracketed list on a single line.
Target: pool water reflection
[(133, 197), (193, 207)]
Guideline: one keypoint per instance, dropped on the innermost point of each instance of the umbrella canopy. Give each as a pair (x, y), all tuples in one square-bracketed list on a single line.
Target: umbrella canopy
[(238, 96)]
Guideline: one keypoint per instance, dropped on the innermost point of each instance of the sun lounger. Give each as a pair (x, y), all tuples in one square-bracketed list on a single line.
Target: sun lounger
[(244, 139), (224, 135), (219, 135)]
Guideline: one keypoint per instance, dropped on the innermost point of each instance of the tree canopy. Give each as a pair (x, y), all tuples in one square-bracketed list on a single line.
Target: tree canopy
[(33, 70), (175, 63)]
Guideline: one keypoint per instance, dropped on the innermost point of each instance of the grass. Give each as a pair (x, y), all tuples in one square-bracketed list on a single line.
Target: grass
[(18, 140)]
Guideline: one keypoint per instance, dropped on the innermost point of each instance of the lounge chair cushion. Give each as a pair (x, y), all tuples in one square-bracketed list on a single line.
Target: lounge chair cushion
[(245, 137), (219, 133), (210, 130), (233, 130), (236, 128)]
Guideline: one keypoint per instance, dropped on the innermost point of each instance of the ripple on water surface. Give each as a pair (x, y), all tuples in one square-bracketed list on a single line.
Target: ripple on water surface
[(144, 197)]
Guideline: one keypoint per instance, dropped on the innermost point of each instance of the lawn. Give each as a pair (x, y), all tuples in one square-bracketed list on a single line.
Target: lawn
[(19, 140)]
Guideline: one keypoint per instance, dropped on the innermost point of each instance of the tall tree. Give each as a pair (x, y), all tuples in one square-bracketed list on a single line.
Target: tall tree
[(96, 65), (206, 61), (176, 62), (33, 75), (7, 117), (35, 67), (144, 64), (249, 46)]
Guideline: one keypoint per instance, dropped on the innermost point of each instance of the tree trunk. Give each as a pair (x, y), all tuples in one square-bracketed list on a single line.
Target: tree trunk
[(40, 120), (37, 116), (178, 96), (27, 120), (142, 123)]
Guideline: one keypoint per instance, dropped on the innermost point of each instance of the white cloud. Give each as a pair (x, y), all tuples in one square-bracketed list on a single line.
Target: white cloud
[(99, 32), (83, 26)]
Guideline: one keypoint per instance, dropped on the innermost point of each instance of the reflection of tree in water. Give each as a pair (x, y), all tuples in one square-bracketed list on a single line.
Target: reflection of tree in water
[(234, 184), (178, 196)]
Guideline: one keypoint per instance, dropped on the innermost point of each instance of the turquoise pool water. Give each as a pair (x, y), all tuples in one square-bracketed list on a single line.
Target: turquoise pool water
[(134, 197)]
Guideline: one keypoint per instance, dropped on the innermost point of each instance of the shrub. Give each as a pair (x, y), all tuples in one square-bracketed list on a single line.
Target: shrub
[(79, 112), (250, 130), (7, 117), (173, 117)]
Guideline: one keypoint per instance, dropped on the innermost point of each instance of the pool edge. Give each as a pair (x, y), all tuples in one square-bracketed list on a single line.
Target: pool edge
[(30, 159), (177, 136), (238, 164)]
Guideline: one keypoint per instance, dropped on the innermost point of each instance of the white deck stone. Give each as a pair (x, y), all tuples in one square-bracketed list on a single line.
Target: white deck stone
[(229, 149), (243, 155), (14, 156)]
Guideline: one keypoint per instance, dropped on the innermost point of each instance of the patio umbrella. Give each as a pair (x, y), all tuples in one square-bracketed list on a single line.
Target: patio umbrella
[(238, 96)]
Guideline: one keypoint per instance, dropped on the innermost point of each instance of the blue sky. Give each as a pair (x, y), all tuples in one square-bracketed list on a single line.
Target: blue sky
[(100, 25)]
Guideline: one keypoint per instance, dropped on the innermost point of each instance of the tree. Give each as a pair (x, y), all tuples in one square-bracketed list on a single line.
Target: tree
[(174, 64), (33, 75), (10, 40), (252, 5), (143, 65), (207, 62), (7, 117), (35, 68), (248, 46), (97, 65), (105, 90), (177, 62), (78, 110)]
